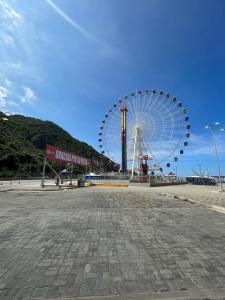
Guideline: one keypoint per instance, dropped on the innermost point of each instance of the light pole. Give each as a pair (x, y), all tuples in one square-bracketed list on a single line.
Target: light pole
[(222, 130), (212, 128)]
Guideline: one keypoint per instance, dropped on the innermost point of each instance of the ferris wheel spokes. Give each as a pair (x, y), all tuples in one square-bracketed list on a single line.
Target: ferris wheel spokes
[(157, 126)]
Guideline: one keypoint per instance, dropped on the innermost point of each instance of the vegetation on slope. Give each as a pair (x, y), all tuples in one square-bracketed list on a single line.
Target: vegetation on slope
[(23, 141)]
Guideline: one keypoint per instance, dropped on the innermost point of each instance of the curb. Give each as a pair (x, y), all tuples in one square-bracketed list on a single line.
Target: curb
[(9, 190), (31, 190), (109, 184)]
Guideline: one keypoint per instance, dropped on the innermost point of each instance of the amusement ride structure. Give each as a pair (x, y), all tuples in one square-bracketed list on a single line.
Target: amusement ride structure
[(144, 132)]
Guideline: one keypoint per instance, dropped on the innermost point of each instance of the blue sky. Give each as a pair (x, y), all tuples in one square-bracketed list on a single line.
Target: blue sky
[(68, 61)]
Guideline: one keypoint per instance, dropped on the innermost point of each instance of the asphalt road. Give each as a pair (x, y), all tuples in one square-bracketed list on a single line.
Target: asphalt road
[(109, 241)]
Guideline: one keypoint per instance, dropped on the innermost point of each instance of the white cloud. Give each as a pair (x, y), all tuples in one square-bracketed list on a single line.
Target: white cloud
[(3, 97), (5, 103), (8, 83), (201, 145), (8, 40), (12, 103), (13, 94), (71, 21), (104, 48), (29, 95), (14, 65), (10, 15), (19, 41)]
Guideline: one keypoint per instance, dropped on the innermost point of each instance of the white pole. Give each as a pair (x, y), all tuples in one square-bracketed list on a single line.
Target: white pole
[(153, 157), (134, 152), (43, 174), (217, 158), (71, 175), (54, 171)]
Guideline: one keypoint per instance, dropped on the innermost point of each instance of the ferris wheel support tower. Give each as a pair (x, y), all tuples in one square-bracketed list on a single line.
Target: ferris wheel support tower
[(123, 110), (138, 153), (150, 125)]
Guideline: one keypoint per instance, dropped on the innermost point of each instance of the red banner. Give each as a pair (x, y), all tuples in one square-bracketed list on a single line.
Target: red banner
[(53, 153)]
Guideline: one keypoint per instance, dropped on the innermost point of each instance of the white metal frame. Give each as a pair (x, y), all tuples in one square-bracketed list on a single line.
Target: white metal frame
[(139, 147)]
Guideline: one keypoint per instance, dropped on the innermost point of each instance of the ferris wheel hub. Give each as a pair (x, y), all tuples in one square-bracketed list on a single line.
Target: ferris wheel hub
[(154, 124)]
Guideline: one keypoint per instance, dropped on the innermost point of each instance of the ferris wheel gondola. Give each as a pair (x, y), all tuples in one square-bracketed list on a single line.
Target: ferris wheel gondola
[(157, 127)]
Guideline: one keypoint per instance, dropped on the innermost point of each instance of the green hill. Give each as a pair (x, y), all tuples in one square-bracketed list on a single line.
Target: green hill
[(23, 141)]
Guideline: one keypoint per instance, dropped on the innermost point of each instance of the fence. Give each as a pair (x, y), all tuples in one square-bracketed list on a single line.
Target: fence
[(146, 180), (217, 179), (158, 179)]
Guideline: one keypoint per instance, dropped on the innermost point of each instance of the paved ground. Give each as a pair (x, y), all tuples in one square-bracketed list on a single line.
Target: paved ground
[(108, 241), (209, 195)]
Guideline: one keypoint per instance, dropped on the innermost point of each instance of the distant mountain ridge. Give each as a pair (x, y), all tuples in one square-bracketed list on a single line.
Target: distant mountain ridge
[(23, 141)]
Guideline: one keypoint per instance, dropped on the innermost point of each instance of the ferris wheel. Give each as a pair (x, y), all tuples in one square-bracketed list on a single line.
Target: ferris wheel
[(145, 130)]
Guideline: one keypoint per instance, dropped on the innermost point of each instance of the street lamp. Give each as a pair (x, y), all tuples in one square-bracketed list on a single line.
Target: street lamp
[(212, 127)]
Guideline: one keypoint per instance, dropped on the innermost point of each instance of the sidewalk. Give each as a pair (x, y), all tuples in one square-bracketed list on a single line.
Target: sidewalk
[(204, 195), (31, 185)]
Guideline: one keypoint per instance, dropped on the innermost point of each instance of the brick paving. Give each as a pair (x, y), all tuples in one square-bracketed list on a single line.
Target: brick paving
[(106, 241), (204, 195)]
